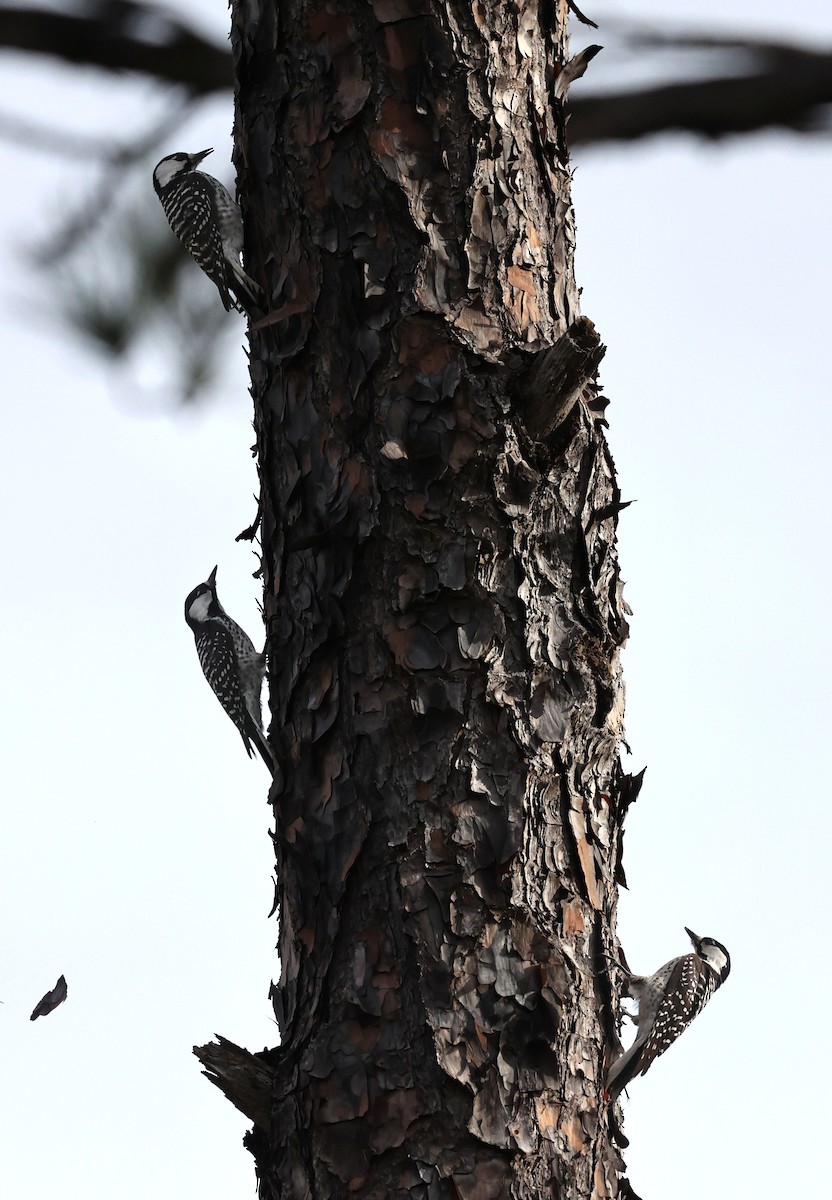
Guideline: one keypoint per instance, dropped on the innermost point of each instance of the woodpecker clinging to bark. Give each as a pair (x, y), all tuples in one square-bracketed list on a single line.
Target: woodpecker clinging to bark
[(667, 1003), (208, 222), (230, 663)]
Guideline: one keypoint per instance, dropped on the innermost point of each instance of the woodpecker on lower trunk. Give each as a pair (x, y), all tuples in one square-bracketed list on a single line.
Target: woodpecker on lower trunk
[(230, 663), (667, 1003), (205, 218)]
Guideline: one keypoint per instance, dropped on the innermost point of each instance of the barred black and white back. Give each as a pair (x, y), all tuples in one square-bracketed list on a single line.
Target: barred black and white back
[(206, 219), (230, 663), (667, 1003)]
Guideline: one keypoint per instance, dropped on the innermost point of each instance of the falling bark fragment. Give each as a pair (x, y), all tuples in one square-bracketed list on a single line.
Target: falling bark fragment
[(51, 1000)]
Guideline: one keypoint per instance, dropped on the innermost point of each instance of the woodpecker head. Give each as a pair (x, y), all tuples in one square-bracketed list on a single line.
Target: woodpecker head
[(202, 602), (713, 954), (174, 165)]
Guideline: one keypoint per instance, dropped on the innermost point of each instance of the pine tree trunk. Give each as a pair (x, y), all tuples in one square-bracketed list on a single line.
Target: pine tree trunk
[(443, 605)]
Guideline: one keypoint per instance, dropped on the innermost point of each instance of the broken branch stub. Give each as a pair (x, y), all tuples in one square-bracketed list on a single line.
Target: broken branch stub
[(557, 377)]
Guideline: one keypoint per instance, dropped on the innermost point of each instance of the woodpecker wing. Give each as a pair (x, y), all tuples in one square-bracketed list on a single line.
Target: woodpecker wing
[(246, 291), (191, 211), (229, 217), (242, 287), (218, 659), (672, 1014), (688, 990)]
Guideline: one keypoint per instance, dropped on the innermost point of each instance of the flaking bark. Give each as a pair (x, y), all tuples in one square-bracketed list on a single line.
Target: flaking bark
[(443, 604), (559, 377)]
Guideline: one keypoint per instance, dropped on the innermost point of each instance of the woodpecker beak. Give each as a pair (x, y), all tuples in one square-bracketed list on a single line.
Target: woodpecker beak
[(212, 580), (197, 158), (693, 937)]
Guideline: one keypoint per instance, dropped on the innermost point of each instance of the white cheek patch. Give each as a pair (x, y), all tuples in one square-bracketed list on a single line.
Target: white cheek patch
[(166, 171), (715, 958), (199, 607)]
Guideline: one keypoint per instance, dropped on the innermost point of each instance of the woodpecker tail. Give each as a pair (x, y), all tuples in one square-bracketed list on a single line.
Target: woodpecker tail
[(266, 752), (624, 1069), (253, 733), (248, 293)]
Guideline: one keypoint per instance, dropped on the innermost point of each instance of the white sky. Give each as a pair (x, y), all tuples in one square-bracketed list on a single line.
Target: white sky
[(135, 856)]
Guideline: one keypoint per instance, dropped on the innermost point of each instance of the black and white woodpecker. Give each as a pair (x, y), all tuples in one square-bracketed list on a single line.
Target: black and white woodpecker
[(230, 663), (205, 218), (667, 1003)]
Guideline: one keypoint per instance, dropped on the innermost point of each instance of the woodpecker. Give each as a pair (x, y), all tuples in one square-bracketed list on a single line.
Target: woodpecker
[(230, 663), (202, 214), (667, 1003)]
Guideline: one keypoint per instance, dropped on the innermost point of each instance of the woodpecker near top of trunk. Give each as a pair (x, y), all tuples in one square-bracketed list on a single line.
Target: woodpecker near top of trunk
[(208, 222)]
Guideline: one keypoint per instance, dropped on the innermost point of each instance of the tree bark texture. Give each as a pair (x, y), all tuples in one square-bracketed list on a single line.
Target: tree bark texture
[(443, 607)]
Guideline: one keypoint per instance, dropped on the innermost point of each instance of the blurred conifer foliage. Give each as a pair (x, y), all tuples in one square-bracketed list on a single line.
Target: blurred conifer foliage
[(710, 86)]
